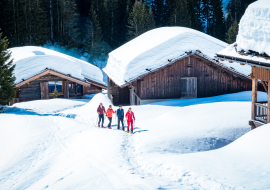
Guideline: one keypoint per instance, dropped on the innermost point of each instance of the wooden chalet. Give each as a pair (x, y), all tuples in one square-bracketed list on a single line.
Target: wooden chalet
[(174, 67), (191, 76), (37, 79), (42, 85)]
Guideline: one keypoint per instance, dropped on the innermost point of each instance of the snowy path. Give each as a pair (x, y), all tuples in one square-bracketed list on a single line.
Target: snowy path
[(54, 145), (54, 152)]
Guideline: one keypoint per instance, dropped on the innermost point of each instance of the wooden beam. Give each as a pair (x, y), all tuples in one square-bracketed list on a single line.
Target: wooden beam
[(96, 84), (254, 97), (132, 97), (48, 72), (265, 86), (268, 106)]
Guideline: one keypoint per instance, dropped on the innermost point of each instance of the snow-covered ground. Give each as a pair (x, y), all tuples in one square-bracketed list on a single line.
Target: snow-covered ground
[(178, 144)]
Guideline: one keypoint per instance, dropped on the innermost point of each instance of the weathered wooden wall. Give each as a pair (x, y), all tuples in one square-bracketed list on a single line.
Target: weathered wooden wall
[(261, 73), (30, 92), (91, 90), (38, 89), (211, 80), (120, 95)]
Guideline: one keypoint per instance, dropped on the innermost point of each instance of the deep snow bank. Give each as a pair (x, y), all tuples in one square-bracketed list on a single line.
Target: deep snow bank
[(254, 28)]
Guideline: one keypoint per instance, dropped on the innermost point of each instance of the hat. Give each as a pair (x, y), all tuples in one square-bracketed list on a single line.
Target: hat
[(120, 105)]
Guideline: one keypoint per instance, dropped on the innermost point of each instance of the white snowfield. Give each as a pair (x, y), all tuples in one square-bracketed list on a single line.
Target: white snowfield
[(32, 60), (154, 48), (178, 144), (254, 28)]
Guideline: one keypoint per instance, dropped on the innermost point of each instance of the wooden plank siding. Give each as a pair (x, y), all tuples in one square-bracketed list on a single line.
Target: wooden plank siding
[(30, 92), (38, 89), (261, 73), (91, 90), (212, 80)]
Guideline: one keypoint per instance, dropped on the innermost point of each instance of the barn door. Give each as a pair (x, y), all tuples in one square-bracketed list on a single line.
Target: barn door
[(44, 90), (189, 87)]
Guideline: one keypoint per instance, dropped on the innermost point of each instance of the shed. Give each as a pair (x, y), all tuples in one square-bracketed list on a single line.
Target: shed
[(39, 71), (172, 63)]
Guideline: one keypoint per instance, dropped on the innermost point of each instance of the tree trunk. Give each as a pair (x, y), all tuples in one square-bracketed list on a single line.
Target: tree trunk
[(51, 15)]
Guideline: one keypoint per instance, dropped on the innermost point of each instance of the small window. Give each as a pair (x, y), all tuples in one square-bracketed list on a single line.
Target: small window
[(55, 85), (51, 87), (59, 86)]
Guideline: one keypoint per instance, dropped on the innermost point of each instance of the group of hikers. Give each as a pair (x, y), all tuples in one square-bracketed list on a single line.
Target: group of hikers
[(130, 117)]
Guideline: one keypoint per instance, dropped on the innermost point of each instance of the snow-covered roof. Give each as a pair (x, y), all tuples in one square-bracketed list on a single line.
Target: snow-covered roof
[(153, 49), (231, 53), (254, 35), (32, 60), (254, 28)]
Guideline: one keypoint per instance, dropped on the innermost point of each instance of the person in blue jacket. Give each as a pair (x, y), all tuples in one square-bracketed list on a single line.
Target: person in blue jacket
[(120, 114)]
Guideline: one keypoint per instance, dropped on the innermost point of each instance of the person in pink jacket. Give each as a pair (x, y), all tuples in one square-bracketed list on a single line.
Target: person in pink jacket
[(130, 117)]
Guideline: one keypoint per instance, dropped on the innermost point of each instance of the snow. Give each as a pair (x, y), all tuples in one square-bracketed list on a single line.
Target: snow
[(152, 50), (254, 28), (57, 146), (231, 51), (32, 60)]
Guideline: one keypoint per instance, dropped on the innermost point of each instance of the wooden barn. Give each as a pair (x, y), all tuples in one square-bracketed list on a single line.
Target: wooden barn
[(40, 71), (177, 72)]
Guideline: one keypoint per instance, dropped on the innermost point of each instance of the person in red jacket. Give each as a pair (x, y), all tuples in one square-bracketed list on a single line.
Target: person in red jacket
[(109, 114), (101, 110), (130, 117)]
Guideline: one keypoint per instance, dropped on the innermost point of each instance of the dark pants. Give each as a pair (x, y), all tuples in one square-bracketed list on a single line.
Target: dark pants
[(110, 121), (101, 117), (122, 121)]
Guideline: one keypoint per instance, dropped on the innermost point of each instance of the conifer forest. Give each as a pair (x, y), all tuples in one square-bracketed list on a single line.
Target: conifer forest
[(99, 26)]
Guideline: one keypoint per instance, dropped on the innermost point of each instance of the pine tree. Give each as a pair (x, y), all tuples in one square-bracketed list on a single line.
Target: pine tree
[(229, 20), (194, 9), (179, 15), (95, 34), (232, 33), (218, 20), (207, 16), (111, 21), (141, 19), (7, 78), (160, 11)]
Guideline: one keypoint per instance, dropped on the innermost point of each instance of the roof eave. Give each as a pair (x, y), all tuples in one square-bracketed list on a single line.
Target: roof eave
[(244, 61), (175, 60), (50, 71)]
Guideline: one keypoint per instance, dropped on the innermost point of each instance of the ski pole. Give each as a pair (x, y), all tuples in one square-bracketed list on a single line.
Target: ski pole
[(97, 121), (115, 119)]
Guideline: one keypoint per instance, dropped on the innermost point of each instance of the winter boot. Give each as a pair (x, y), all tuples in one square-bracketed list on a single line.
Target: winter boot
[(127, 130), (98, 125), (102, 126), (109, 128), (118, 127), (123, 128), (131, 132)]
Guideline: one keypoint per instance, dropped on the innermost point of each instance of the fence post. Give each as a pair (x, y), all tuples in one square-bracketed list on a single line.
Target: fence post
[(254, 97)]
